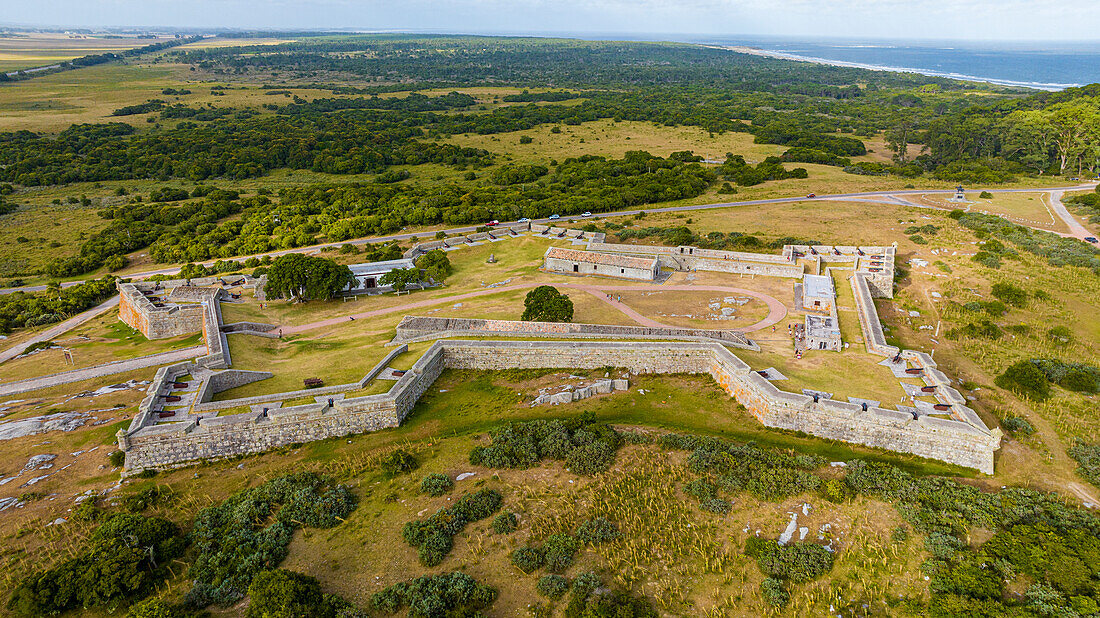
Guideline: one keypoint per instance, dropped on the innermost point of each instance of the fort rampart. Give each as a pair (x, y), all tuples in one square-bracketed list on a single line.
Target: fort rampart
[(963, 442)]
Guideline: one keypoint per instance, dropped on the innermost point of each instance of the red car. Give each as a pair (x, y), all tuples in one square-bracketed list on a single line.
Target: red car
[(492, 223), (812, 195)]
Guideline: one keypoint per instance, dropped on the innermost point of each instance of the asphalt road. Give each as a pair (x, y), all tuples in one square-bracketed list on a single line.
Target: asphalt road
[(565, 218)]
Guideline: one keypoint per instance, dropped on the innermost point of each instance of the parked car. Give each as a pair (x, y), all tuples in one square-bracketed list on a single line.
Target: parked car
[(523, 220), (492, 223), (586, 214), (552, 217), (1091, 239)]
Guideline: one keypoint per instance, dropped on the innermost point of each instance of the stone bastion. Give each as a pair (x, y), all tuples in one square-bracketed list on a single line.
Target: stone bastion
[(961, 440)]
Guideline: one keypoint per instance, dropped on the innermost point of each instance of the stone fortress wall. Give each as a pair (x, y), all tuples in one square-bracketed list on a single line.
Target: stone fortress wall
[(184, 309), (417, 328), (959, 442), (961, 439)]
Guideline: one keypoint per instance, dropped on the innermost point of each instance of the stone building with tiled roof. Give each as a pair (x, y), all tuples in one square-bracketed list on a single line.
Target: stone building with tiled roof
[(573, 262)]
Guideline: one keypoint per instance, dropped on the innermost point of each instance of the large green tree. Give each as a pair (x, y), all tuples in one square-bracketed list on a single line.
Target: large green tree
[(303, 277), (436, 265), (546, 304)]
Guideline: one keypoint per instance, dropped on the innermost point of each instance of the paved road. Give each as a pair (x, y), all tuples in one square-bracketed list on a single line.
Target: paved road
[(1076, 230), (776, 309), (122, 366), (57, 329), (471, 228)]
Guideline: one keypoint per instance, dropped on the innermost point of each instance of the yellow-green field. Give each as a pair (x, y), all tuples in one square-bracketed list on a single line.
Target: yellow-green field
[(27, 51)]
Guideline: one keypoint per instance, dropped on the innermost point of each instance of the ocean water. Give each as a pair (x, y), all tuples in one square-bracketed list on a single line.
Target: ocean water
[(1046, 66)]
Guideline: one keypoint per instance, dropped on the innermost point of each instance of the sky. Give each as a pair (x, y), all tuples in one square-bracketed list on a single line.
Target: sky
[(1001, 20)]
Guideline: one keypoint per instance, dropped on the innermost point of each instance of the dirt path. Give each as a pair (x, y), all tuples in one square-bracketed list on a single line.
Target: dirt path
[(776, 309)]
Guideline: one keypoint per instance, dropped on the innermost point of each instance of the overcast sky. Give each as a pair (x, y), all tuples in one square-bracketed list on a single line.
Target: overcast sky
[(919, 19)]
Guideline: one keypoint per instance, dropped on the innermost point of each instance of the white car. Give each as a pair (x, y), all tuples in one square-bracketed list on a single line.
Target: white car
[(586, 214), (552, 217), (523, 220)]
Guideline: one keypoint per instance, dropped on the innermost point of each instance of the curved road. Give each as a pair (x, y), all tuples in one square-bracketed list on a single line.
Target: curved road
[(776, 309), (471, 228)]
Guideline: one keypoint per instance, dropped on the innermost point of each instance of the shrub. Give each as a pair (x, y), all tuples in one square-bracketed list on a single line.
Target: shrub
[(433, 536), (434, 596), (590, 459), (399, 462), (117, 458), (436, 484), (798, 562), (1026, 379), (528, 559), (250, 531), (834, 490), (552, 586), (558, 552), (1060, 334), (1010, 294), (505, 523), (917, 239), (717, 506), (597, 531), (156, 608), (1087, 457), (87, 511), (1018, 424), (774, 592), (523, 445), (126, 554), (286, 594), (985, 195)]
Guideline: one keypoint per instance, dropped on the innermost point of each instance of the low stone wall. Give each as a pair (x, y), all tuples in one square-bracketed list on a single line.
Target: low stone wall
[(967, 444), (873, 336), (418, 328)]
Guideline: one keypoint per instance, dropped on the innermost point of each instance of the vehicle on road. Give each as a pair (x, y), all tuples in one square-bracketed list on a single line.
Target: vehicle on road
[(812, 195), (523, 220), (586, 214), (555, 217), (1091, 239), (492, 223)]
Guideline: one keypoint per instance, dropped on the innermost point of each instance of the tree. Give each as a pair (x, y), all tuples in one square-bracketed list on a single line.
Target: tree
[(897, 140), (436, 264), (286, 594), (400, 277), (1072, 122), (303, 277), (546, 304)]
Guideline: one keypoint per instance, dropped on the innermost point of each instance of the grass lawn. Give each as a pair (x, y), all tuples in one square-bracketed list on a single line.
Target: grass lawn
[(100, 340), (1030, 209), (692, 309)]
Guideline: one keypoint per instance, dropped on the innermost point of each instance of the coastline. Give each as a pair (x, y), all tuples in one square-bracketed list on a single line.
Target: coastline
[(756, 51)]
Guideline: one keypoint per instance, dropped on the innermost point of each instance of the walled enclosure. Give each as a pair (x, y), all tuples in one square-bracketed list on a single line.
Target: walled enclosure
[(417, 328), (573, 262), (952, 441)]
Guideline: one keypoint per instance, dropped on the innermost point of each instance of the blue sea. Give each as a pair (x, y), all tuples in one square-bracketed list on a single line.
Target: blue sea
[(1046, 65)]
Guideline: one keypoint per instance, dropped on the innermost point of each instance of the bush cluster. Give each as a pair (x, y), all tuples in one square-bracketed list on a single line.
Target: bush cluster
[(552, 586), (766, 474), (433, 537), (249, 532), (399, 462), (436, 484), (436, 596), (126, 555), (586, 447), (505, 523), (597, 531), (556, 554), (589, 598)]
